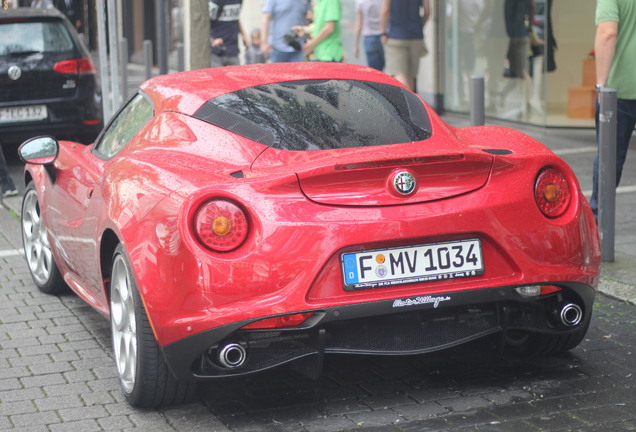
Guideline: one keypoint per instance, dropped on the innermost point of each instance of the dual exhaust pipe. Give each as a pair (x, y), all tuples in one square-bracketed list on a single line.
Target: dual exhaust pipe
[(231, 355), (569, 315)]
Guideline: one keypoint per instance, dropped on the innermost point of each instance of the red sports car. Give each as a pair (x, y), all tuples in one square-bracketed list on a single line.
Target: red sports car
[(234, 219)]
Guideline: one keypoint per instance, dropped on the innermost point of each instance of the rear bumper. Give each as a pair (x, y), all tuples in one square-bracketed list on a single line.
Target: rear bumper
[(75, 119), (66, 130), (392, 327)]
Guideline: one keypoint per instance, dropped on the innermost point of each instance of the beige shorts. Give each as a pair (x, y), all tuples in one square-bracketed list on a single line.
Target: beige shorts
[(403, 56), (518, 49)]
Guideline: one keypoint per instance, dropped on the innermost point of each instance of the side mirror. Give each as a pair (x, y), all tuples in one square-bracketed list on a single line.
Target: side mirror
[(39, 150)]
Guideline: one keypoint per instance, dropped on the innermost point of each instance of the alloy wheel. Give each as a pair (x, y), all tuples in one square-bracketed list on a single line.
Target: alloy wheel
[(36, 242), (123, 323)]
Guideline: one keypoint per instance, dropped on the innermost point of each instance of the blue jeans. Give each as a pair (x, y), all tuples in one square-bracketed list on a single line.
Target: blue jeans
[(375, 52), (625, 122), (286, 57), (219, 61), (5, 179)]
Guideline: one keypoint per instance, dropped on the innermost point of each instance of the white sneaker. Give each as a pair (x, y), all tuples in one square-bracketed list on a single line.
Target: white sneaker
[(10, 193)]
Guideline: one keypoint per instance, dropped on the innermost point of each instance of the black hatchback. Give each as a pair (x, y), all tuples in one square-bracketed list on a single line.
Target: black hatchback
[(48, 83)]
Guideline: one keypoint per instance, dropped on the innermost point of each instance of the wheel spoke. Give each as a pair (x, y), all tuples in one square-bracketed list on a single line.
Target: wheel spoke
[(42, 262)]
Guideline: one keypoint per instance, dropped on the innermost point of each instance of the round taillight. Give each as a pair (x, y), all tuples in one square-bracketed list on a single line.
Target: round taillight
[(552, 192), (220, 225)]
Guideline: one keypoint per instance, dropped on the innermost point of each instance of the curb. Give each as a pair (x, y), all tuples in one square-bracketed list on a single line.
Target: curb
[(13, 206), (617, 290)]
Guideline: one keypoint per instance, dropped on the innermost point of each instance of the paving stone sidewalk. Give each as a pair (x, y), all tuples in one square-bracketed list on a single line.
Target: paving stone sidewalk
[(57, 374)]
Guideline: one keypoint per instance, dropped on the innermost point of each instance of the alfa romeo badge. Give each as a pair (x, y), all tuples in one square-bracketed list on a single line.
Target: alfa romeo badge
[(404, 182)]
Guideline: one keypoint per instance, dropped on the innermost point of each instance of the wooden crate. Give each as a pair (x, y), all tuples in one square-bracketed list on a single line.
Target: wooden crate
[(581, 102), (589, 72)]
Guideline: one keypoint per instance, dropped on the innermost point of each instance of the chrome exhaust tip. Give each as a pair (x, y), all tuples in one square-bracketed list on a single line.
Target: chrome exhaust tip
[(232, 355), (571, 315)]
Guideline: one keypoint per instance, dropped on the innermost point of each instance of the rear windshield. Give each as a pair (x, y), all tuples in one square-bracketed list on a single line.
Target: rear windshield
[(34, 37), (320, 114)]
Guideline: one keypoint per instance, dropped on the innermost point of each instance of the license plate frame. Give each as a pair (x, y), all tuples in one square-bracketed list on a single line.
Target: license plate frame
[(26, 113), (425, 262)]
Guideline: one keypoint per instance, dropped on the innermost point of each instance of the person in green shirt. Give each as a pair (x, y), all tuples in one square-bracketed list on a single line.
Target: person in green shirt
[(325, 42), (615, 53)]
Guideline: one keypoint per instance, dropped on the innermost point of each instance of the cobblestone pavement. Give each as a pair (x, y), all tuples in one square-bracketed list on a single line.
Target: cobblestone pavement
[(57, 374)]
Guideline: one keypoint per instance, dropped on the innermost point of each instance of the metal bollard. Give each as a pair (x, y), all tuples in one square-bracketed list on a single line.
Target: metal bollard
[(161, 23), (114, 55), (477, 101), (607, 173), (123, 52), (148, 58), (180, 57), (107, 105)]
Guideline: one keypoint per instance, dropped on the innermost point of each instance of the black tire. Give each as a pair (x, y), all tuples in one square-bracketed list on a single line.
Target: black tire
[(143, 373), (545, 345), (37, 249)]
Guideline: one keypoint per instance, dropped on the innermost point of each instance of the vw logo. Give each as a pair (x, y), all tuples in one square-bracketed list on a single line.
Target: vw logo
[(14, 72), (404, 182)]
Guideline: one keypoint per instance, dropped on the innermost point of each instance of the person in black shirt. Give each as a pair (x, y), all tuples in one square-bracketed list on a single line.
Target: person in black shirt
[(225, 28), (72, 9)]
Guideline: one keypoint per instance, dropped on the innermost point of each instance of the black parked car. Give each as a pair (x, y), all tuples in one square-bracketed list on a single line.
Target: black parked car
[(48, 83)]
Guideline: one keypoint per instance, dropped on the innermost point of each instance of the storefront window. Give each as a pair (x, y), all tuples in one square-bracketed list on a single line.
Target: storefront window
[(517, 55)]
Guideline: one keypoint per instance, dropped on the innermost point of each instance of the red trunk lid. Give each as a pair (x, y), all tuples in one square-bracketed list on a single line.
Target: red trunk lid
[(379, 177)]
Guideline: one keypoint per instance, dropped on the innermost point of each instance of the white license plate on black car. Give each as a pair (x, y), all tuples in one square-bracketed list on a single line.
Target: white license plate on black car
[(412, 264), (23, 113)]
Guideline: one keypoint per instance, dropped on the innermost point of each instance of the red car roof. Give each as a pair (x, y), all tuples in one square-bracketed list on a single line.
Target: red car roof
[(186, 92)]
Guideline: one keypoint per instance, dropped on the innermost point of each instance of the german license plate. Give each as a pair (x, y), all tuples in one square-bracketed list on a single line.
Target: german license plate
[(412, 264), (23, 113)]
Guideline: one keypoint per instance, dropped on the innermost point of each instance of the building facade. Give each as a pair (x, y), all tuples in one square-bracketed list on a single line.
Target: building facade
[(549, 82)]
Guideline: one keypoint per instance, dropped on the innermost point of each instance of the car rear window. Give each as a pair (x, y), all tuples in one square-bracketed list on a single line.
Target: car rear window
[(34, 37), (320, 114)]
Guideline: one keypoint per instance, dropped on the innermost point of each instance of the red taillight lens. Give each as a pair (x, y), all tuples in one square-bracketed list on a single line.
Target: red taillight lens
[(549, 289), (552, 192), (280, 321), (12, 20), (80, 66), (220, 225)]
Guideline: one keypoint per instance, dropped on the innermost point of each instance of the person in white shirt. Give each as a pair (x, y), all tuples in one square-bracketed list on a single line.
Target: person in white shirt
[(368, 25), (43, 4)]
